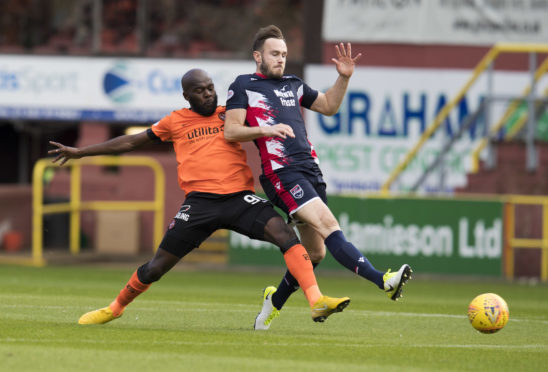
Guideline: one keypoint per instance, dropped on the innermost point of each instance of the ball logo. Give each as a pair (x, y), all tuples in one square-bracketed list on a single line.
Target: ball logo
[(117, 83), (492, 313)]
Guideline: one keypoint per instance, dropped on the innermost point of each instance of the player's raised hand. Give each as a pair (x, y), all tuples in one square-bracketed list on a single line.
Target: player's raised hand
[(63, 152), (279, 130), (344, 61)]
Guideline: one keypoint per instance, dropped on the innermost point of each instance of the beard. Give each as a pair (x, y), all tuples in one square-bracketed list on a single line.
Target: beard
[(203, 109), (268, 72)]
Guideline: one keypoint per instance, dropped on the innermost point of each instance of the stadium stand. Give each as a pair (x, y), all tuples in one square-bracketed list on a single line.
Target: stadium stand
[(205, 29)]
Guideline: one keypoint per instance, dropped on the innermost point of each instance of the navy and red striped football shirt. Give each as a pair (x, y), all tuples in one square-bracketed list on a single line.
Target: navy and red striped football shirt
[(274, 101)]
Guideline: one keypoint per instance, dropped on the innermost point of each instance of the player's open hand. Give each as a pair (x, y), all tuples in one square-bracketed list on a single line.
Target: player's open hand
[(344, 61), (279, 130), (63, 152)]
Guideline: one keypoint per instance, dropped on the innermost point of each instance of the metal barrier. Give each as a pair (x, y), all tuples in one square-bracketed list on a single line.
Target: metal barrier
[(511, 242), (485, 63), (520, 123), (76, 205), (509, 111)]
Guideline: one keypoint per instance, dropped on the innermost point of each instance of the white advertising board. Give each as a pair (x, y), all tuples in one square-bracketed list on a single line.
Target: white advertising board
[(385, 112), (465, 22), (107, 89)]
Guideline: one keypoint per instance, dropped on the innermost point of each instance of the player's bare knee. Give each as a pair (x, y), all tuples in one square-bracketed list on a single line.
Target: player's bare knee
[(278, 232), (329, 222), (150, 272)]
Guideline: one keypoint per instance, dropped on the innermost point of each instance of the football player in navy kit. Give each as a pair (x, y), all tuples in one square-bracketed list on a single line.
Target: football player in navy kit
[(269, 102)]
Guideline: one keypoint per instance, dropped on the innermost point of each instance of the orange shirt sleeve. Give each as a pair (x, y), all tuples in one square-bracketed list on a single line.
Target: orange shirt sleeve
[(162, 129)]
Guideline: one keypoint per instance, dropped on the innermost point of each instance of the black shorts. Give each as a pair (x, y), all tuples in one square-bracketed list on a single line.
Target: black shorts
[(203, 213), (291, 189)]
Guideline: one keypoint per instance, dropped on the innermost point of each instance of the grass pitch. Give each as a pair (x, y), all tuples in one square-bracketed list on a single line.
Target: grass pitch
[(202, 321)]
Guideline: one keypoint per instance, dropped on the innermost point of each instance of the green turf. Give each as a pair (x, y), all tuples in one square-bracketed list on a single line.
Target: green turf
[(202, 321)]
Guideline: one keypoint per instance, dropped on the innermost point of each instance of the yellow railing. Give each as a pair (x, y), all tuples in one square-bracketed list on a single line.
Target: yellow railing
[(511, 242), (520, 123), (486, 61), (76, 205), (507, 114)]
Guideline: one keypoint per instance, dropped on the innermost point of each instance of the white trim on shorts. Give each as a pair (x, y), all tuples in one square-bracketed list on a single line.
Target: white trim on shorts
[(296, 221)]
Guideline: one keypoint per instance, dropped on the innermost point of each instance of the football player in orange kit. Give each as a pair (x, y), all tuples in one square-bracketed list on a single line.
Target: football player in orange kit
[(219, 194)]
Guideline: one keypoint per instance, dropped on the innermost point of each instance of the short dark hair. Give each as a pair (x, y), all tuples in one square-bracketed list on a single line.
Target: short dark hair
[(268, 32)]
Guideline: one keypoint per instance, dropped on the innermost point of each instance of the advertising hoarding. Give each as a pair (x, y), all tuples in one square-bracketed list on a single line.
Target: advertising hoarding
[(438, 236), (102, 89), (461, 22), (383, 115)]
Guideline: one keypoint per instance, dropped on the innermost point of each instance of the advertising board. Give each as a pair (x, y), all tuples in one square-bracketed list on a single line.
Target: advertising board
[(437, 236), (102, 89)]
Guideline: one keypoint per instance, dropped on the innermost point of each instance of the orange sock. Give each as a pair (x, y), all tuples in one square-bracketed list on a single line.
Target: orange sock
[(300, 267), (133, 288)]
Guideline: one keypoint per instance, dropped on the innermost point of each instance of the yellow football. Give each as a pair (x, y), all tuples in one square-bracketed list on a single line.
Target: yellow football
[(488, 313)]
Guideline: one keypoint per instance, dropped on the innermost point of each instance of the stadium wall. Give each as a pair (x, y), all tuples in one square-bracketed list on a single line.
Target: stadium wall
[(427, 56), (15, 215)]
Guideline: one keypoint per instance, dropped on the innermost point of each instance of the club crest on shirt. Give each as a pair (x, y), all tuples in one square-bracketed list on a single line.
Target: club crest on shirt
[(221, 115), (297, 191)]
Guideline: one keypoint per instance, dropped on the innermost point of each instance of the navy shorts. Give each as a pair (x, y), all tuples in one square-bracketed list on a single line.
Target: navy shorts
[(203, 213), (290, 190)]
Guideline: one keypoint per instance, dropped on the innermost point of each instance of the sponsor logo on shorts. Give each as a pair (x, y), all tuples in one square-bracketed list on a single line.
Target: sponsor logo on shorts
[(182, 216), (297, 192)]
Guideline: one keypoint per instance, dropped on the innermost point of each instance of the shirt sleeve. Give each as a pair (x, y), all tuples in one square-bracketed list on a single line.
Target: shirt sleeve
[(152, 136), (162, 129), (236, 96), (309, 96)]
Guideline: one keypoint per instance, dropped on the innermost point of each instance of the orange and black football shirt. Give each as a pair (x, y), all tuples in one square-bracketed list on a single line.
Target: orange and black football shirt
[(206, 161)]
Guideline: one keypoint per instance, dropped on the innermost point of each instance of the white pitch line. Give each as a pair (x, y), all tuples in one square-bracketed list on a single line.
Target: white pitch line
[(292, 310), (51, 341), (197, 307)]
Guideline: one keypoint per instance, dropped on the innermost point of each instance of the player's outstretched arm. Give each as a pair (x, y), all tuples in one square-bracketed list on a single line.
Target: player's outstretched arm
[(236, 131), (328, 103), (116, 145)]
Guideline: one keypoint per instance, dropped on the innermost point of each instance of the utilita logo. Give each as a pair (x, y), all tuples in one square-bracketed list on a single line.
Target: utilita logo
[(117, 83)]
